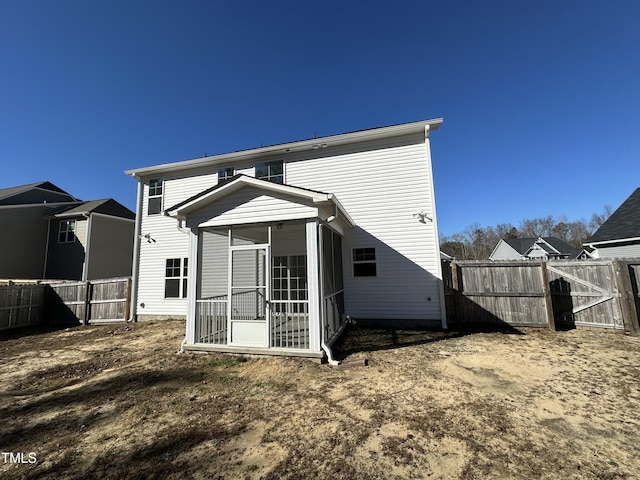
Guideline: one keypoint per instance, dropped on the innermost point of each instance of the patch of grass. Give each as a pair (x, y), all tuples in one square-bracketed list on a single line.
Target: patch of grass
[(227, 361)]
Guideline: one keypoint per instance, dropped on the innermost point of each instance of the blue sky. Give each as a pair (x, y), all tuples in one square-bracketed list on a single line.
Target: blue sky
[(540, 99)]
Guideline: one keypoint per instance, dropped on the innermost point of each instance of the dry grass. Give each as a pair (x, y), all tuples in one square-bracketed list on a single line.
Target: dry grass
[(117, 402)]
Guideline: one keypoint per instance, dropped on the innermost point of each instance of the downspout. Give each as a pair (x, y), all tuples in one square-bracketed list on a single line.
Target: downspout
[(323, 341), (46, 250), (186, 232), (136, 257), (87, 250)]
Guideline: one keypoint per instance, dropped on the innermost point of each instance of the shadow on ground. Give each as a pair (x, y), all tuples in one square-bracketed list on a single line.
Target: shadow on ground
[(360, 339)]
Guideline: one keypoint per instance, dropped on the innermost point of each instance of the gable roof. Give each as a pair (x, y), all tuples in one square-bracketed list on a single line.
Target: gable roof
[(13, 191), (520, 245), (239, 181), (524, 245), (623, 224), (106, 206), (309, 144)]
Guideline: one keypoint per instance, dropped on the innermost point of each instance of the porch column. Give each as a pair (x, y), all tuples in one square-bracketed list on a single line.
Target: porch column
[(313, 276), (192, 279)]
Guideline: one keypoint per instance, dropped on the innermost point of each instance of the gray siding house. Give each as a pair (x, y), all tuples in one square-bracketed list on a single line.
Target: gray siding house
[(540, 248), (54, 235), (619, 236)]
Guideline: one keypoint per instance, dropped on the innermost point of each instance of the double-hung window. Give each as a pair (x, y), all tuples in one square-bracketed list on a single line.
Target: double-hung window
[(271, 171), (225, 174), (364, 262), (67, 231), (175, 282), (154, 206)]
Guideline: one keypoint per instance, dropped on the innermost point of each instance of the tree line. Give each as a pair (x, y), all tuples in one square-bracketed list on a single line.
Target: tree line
[(476, 242)]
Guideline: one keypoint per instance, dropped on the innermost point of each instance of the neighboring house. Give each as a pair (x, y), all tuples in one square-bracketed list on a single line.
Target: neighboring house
[(50, 234), (268, 250), (540, 248), (619, 236)]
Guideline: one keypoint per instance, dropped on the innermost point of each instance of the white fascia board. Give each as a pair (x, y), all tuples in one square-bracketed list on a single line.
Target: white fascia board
[(606, 242), (542, 240), (311, 144)]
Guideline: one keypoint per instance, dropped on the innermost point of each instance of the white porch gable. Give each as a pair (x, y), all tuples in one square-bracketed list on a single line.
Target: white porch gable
[(255, 268), (245, 199)]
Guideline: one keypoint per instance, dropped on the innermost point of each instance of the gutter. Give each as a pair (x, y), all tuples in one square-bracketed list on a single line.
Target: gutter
[(605, 242), (87, 251), (136, 256)]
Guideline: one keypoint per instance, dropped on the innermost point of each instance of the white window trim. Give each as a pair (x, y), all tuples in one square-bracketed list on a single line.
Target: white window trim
[(182, 291), (233, 172), (354, 262), (67, 230), (161, 196), (284, 178)]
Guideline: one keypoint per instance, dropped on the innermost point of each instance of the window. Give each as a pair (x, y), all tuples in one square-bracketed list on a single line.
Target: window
[(67, 231), (155, 196), (289, 277), (364, 262), (175, 283), (271, 171), (225, 174)]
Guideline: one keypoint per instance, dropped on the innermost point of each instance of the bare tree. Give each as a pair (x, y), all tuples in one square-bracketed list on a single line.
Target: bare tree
[(476, 242)]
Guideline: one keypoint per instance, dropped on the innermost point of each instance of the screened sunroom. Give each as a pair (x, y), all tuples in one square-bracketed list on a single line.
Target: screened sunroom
[(268, 282)]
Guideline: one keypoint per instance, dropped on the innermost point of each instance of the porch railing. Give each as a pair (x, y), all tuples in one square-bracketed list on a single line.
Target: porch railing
[(289, 324), (211, 320), (289, 319)]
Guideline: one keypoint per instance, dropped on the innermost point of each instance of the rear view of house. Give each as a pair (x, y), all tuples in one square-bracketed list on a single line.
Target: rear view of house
[(268, 250)]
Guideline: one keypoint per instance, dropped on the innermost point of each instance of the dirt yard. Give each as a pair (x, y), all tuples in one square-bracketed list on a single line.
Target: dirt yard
[(118, 402)]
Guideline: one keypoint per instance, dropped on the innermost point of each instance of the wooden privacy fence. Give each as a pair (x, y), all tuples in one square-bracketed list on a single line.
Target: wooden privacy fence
[(65, 303), (97, 301), (21, 305), (592, 293)]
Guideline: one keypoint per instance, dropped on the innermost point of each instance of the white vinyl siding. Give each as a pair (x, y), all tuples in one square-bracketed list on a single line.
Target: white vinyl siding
[(250, 205), (408, 281), (166, 241), (382, 206)]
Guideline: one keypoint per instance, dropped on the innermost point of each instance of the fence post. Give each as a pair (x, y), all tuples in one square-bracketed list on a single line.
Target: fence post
[(87, 303), (454, 293), (127, 305), (547, 296), (627, 297)]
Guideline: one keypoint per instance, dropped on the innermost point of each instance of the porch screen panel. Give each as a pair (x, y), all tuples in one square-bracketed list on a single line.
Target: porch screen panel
[(289, 289), (333, 298), (211, 303), (248, 288)]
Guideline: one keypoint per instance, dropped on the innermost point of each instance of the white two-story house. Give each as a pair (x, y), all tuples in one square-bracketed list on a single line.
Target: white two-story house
[(270, 250)]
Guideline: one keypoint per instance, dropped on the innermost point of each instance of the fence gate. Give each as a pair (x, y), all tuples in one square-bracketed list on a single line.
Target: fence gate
[(585, 294)]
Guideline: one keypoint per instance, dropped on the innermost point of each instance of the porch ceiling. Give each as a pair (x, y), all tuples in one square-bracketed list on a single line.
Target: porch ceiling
[(321, 200)]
